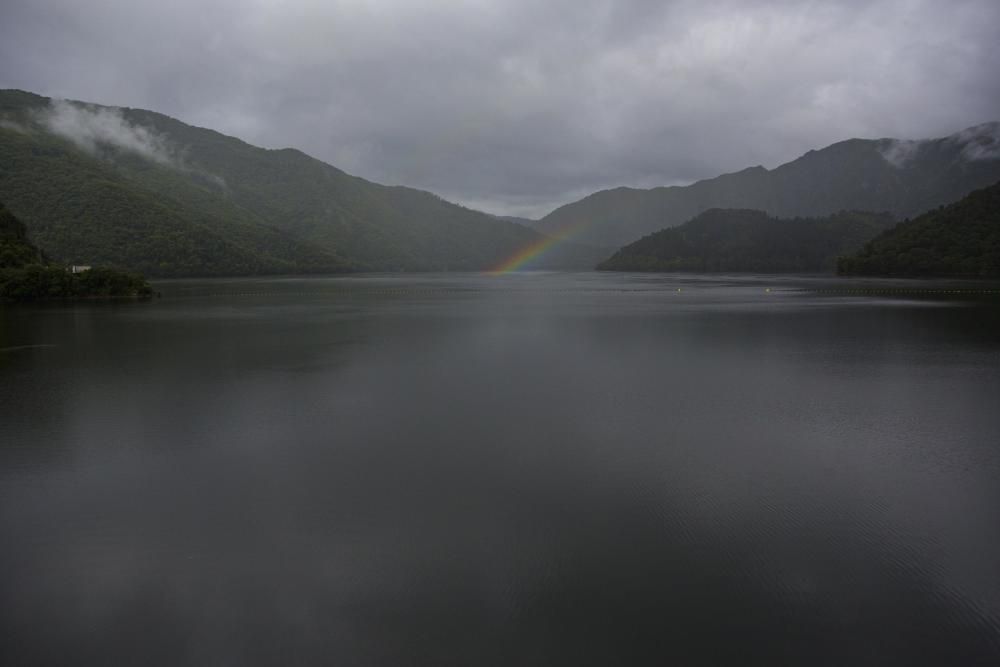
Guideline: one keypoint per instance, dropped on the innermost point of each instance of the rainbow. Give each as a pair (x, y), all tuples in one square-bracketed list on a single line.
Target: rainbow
[(535, 249)]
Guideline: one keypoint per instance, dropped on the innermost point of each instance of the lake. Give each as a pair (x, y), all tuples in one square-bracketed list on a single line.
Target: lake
[(527, 469)]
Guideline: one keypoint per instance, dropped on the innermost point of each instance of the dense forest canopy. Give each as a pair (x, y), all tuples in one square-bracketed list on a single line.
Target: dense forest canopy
[(15, 249), (25, 274), (961, 239)]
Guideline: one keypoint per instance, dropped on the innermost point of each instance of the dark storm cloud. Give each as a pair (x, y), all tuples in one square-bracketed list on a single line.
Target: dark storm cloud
[(516, 106)]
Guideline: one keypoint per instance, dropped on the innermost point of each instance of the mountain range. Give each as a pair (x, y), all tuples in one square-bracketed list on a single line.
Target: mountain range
[(139, 190), (902, 177)]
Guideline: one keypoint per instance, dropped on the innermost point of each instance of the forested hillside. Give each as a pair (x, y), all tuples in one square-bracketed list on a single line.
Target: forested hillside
[(15, 249), (143, 191), (962, 239), (26, 274), (747, 240)]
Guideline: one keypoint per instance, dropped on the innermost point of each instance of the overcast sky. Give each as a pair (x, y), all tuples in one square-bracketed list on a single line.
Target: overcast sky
[(518, 106)]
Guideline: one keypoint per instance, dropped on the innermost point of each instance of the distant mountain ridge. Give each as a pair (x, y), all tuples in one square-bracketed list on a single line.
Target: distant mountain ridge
[(140, 190), (902, 177), (736, 240), (527, 222)]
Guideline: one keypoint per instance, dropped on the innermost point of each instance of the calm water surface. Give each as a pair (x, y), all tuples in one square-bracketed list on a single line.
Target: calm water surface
[(536, 469)]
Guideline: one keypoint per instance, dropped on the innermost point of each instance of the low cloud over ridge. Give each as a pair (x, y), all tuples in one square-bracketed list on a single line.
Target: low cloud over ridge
[(94, 128), (91, 128)]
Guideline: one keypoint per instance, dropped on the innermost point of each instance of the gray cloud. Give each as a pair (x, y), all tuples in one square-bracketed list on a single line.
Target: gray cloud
[(981, 142), (91, 129), (517, 106), (900, 152), (96, 129)]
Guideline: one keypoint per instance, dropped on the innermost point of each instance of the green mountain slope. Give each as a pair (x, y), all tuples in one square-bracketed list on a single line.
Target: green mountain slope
[(15, 248), (26, 275), (748, 240), (143, 191), (902, 177), (961, 239), (86, 212)]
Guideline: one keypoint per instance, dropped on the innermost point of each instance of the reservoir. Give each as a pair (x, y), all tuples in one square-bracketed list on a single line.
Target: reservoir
[(524, 469)]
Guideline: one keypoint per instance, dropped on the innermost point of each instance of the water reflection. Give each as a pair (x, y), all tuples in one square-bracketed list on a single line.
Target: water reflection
[(541, 469)]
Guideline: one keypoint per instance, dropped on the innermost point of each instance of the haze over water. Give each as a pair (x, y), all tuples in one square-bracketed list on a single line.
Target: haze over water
[(529, 469)]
